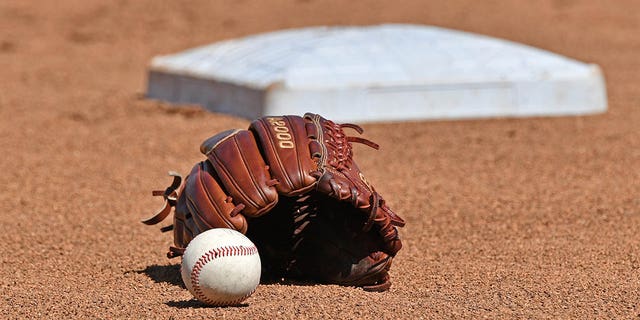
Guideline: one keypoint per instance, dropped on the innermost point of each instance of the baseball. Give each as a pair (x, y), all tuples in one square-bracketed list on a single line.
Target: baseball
[(221, 267)]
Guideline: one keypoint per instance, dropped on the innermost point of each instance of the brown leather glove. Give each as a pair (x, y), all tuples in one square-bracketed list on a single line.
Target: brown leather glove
[(290, 184)]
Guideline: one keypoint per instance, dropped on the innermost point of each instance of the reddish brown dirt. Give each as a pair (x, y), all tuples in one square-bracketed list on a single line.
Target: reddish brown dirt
[(528, 218)]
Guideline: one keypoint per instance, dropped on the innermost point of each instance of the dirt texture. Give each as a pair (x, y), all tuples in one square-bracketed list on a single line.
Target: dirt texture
[(506, 218)]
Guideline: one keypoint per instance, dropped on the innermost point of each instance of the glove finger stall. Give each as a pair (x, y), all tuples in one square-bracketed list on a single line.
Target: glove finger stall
[(283, 142), (235, 157), (208, 204)]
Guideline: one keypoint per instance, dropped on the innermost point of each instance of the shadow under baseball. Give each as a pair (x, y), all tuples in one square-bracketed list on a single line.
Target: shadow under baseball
[(164, 274), (171, 274), (195, 304)]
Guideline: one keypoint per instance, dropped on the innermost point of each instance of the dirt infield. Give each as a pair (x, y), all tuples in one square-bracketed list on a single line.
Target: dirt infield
[(506, 218)]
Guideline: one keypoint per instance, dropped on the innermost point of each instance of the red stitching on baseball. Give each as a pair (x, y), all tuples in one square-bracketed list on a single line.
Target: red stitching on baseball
[(226, 251)]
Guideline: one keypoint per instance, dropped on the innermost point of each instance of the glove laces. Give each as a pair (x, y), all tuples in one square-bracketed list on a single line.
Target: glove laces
[(340, 143)]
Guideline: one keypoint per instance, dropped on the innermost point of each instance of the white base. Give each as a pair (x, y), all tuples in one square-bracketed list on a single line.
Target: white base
[(378, 73)]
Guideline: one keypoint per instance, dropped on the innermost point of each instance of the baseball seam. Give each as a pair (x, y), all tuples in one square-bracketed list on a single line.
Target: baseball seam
[(226, 251)]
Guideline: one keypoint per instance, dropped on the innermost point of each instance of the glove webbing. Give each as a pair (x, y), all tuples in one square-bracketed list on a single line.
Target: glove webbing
[(305, 210)]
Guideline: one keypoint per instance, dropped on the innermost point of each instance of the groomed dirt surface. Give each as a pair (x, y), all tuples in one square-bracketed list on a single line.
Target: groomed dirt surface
[(506, 218)]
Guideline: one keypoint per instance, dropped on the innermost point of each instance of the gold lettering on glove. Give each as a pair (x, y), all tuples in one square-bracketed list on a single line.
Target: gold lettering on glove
[(282, 133)]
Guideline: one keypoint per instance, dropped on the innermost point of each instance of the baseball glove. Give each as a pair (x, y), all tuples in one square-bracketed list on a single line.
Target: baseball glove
[(291, 185)]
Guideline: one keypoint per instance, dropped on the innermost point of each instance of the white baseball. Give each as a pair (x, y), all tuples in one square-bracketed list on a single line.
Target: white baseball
[(221, 267)]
